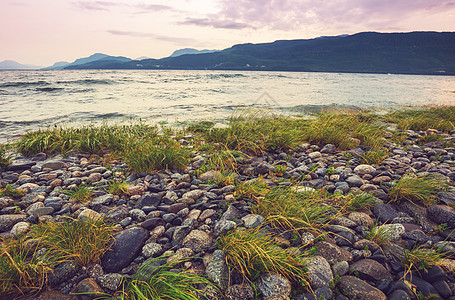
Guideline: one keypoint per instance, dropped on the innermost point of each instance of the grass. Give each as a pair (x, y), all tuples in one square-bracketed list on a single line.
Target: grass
[(290, 209), (22, 268), (418, 188), (82, 241), (379, 234), (251, 189), (155, 280), (80, 194), (5, 159), (8, 190), (374, 156), (423, 118), (252, 252), (421, 259), (118, 187)]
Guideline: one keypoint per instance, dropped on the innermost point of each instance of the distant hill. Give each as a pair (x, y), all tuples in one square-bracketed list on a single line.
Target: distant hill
[(14, 65), (368, 52), (97, 59), (191, 51)]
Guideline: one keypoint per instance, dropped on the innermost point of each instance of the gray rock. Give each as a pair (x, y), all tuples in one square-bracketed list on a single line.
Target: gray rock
[(442, 214), (364, 169), (180, 233), (152, 250), (88, 288), (125, 249), (62, 272), (394, 231), (137, 214), (319, 272), (328, 148), (217, 270), (197, 240), (369, 269), (385, 212), (20, 228), (42, 211), (340, 268), (194, 194), (231, 214), (211, 175), (117, 214), (223, 226), (333, 253), (8, 221), (270, 284), (355, 181), (252, 220), (242, 291), (264, 168), (102, 200), (357, 289), (149, 199), (110, 282), (53, 164)]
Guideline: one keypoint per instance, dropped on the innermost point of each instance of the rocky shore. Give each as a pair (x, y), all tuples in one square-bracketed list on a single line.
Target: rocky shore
[(182, 213)]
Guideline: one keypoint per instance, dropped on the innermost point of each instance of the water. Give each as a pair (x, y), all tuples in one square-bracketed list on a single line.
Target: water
[(37, 99)]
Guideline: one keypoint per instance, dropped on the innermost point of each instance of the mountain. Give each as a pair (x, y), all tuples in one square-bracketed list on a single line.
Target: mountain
[(367, 52), (190, 51), (14, 65), (97, 59)]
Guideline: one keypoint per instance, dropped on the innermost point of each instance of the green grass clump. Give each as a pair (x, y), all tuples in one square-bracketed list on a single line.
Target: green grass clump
[(418, 188), (310, 210), (82, 241), (421, 259), (379, 234), (251, 189), (256, 133), (118, 187), (423, 118), (4, 157), (155, 154), (345, 130), (155, 280), (374, 156), (22, 269), (8, 190), (252, 252), (80, 194), (85, 139)]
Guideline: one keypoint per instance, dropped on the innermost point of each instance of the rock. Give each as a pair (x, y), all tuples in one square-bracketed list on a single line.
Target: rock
[(442, 214), (369, 269), (252, 220), (89, 288), (328, 148), (264, 168), (363, 244), (110, 282), (127, 245), (340, 268), (242, 291), (385, 212), (102, 200), (88, 214), (197, 241), (206, 214), (151, 223), (356, 289), (180, 233), (194, 194), (20, 166), (393, 231), (149, 199), (8, 221), (62, 272), (333, 253), (319, 272), (380, 179), (152, 250), (315, 154), (94, 177), (399, 295), (53, 164), (364, 169), (443, 289), (361, 219), (355, 181), (137, 214), (223, 226), (231, 214), (210, 176), (20, 228), (217, 270), (117, 214), (270, 284)]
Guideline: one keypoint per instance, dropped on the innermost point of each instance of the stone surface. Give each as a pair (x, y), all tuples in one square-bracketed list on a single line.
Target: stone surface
[(242, 291), (7, 221), (369, 269), (357, 289), (217, 270), (319, 272), (89, 288), (126, 247), (270, 284), (197, 241), (20, 228)]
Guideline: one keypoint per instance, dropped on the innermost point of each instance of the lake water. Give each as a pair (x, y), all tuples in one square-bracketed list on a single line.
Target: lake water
[(37, 99)]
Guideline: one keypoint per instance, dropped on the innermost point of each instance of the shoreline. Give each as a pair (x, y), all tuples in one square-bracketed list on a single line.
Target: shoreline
[(229, 180)]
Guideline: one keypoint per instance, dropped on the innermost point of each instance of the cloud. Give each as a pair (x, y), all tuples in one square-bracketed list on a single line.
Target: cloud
[(96, 5), (175, 40), (154, 7), (289, 15), (209, 22)]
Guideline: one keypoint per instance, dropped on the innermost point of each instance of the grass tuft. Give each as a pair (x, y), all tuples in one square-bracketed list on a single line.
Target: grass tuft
[(118, 187), (423, 118), (418, 188), (5, 159), (421, 259), (22, 268), (379, 234), (252, 252), (155, 280), (81, 194), (82, 241)]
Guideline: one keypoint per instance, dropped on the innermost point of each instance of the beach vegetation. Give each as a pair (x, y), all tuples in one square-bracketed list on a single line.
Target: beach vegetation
[(80, 194), (252, 252), (117, 187), (5, 159), (421, 258), (251, 189), (381, 235), (422, 188), (423, 118), (9, 191)]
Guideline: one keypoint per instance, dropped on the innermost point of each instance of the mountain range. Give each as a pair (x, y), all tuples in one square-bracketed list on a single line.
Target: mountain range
[(431, 53)]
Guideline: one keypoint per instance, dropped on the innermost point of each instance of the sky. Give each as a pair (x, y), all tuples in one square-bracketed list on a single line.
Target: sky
[(41, 32)]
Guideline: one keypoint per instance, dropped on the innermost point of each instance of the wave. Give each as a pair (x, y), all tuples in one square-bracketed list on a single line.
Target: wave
[(225, 75), (23, 83), (4, 92), (48, 89)]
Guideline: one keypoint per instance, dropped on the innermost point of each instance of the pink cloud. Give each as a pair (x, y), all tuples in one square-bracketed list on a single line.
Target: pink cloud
[(96, 5)]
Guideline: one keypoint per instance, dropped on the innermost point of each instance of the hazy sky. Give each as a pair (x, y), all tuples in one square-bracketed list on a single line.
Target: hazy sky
[(42, 32)]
